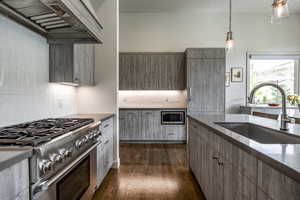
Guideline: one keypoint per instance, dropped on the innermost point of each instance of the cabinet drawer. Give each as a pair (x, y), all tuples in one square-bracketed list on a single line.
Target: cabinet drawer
[(107, 127), (174, 133)]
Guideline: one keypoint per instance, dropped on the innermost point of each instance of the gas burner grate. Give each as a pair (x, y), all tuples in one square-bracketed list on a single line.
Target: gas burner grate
[(37, 132)]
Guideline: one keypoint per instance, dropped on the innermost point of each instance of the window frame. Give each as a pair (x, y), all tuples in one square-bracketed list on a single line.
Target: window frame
[(273, 55)]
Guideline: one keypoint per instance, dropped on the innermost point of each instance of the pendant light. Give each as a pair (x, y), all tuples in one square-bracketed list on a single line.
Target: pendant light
[(280, 10), (229, 35)]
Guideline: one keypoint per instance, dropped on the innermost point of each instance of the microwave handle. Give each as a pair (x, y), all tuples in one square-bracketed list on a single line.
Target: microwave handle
[(189, 94), (46, 184)]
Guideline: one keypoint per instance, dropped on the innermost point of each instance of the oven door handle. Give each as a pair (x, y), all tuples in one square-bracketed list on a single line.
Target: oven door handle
[(46, 184)]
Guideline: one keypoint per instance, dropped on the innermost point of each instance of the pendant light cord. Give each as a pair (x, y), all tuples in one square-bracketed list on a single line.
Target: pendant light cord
[(230, 10)]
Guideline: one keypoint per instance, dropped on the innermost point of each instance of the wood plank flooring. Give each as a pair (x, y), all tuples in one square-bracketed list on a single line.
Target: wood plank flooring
[(150, 172)]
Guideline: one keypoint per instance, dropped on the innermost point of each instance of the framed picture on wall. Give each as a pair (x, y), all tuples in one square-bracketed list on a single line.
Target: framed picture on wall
[(237, 74), (227, 79)]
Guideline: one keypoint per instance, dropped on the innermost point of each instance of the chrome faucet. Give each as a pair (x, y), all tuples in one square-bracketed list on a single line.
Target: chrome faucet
[(284, 118)]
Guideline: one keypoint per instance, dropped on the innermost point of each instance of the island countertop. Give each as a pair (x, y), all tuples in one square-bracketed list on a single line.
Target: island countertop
[(283, 157)]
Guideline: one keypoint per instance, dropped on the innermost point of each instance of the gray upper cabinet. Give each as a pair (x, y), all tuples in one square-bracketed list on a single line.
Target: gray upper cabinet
[(206, 80), (152, 71), (72, 63), (61, 21)]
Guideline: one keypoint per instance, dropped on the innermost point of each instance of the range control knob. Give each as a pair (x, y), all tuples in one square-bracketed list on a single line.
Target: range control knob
[(56, 158), (91, 136), (78, 144), (64, 153), (68, 154), (45, 166), (85, 139)]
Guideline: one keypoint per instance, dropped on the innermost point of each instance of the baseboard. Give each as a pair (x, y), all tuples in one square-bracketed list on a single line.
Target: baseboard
[(116, 164)]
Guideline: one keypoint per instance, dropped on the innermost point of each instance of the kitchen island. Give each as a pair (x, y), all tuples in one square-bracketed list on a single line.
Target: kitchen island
[(228, 165)]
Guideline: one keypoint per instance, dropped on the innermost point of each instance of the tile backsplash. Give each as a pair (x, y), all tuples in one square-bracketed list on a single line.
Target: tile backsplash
[(153, 99), (25, 93)]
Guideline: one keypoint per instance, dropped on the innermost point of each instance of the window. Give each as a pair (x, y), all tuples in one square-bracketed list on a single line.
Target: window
[(279, 69)]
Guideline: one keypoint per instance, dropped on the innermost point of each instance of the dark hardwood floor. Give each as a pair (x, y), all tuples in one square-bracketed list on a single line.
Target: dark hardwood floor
[(150, 172)]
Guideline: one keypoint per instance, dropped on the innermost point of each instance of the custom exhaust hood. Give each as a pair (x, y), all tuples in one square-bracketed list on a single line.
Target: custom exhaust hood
[(60, 21)]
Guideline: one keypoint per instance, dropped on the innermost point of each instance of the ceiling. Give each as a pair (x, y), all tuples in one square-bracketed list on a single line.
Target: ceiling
[(262, 6)]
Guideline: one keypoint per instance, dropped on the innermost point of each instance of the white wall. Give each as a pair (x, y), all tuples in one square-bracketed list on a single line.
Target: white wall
[(25, 93), (102, 98), (178, 31)]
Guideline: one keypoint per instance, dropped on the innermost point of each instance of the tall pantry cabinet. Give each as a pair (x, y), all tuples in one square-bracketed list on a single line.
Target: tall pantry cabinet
[(206, 80)]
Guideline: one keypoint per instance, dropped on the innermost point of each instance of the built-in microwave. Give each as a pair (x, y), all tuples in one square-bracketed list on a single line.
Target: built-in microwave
[(172, 117)]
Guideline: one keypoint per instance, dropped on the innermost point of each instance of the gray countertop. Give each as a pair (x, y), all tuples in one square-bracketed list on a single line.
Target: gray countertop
[(283, 157), (150, 108), (10, 156), (96, 116)]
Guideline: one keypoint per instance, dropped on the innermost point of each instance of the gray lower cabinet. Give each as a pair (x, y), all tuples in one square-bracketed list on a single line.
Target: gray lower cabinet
[(145, 125), (206, 80), (129, 125), (15, 182), (72, 63), (105, 150), (152, 71), (225, 171), (276, 185)]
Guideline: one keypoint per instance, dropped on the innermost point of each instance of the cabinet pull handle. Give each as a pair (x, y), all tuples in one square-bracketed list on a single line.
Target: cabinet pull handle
[(107, 141), (106, 125), (215, 158), (221, 163)]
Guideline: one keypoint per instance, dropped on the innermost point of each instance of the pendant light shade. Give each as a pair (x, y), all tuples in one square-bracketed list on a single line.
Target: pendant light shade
[(280, 10), (229, 40), (229, 35)]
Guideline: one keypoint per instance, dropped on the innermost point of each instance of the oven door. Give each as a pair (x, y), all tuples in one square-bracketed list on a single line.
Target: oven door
[(75, 182), (172, 117)]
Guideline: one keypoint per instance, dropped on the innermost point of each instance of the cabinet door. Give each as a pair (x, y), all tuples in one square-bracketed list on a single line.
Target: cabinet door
[(61, 60), (275, 184), (84, 64), (131, 71), (192, 146), (122, 126), (236, 185), (148, 125), (206, 85), (175, 72), (100, 165), (129, 125), (111, 151), (133, 131)]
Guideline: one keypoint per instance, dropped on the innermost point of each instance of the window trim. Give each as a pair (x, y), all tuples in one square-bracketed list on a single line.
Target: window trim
[(271, 55)]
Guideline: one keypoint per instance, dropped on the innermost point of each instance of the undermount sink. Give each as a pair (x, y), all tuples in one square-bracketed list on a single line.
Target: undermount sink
[(259, 134)]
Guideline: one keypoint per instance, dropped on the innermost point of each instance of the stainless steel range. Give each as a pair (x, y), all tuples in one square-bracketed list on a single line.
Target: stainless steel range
[(64, 156)]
